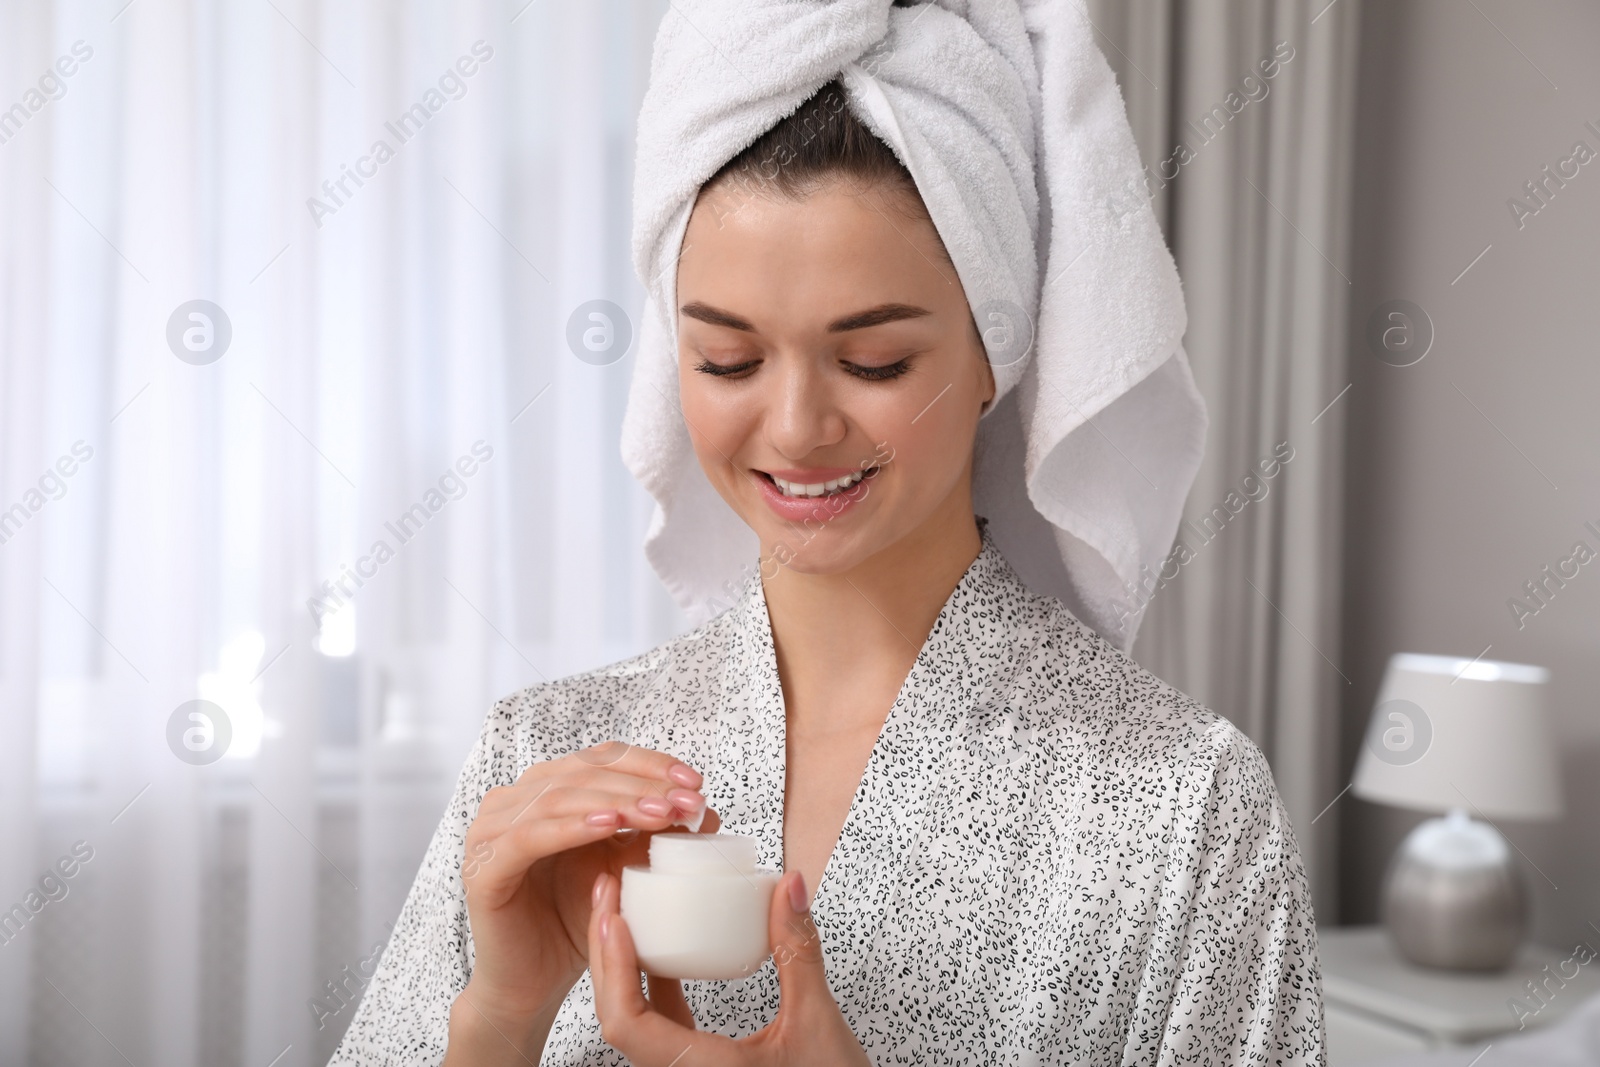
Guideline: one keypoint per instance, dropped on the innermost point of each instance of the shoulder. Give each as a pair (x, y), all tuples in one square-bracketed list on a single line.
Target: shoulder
[(1133, 724), (552, 718), (1140, 768)]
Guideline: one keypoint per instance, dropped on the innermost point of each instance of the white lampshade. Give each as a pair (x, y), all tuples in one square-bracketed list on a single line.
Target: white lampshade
[(1454, 733)]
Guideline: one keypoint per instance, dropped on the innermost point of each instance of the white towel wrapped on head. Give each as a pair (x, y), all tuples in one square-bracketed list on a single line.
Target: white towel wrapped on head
[(1011, 123)]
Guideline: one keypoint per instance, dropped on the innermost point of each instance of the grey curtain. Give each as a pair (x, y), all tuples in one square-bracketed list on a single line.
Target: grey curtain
[(1244, 112)]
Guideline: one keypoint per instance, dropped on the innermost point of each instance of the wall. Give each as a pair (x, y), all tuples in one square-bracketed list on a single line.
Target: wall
[(1474, 468)]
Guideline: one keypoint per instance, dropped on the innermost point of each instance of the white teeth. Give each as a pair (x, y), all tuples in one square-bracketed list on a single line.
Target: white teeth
[(810, 489)]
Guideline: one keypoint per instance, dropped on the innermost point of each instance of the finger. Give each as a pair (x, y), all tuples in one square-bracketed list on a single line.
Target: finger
[(666, 997), (628, 1022), (796, 945), (674, 793), (496, 855), (645, 801), (492, 867), (597, 973), (624, 784), (621, 780), (631, 759), (643, 804), (616, 987), (645, 795)]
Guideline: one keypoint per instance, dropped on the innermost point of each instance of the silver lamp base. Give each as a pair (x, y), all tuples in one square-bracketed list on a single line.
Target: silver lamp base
[(1453, 898)]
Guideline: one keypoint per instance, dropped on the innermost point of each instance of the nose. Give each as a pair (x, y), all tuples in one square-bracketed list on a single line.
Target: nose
[(802, 416)]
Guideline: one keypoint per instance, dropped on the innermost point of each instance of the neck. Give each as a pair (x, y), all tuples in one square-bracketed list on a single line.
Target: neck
[(843, 640)]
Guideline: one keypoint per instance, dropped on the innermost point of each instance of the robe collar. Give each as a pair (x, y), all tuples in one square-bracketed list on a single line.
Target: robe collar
[(969, 661)]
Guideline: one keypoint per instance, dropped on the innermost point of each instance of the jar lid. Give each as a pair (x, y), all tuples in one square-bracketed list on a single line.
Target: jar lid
[(674, 853)]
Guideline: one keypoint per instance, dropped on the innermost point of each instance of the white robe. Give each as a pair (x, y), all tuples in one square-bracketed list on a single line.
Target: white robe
[(1053, 856)]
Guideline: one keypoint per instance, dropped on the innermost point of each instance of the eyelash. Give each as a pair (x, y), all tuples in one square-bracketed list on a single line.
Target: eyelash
[(888, 372), (705, 366)]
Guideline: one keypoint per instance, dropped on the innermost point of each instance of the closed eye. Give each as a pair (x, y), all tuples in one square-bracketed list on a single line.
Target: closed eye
[(726, 370), (880, 374)]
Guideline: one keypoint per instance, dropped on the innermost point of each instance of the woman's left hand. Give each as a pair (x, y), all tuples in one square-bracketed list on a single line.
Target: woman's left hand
[(809, 1028)]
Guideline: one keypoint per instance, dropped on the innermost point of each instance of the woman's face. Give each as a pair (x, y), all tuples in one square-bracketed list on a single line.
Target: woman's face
[(829, 371)]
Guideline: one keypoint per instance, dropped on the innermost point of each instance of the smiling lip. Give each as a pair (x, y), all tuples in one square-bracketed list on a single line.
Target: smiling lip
[(811, 474), (816, 508)]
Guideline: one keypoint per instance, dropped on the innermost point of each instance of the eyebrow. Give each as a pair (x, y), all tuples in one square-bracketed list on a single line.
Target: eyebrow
[(856, 320)]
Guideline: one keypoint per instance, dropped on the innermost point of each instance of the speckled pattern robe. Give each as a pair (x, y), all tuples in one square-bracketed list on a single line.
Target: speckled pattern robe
[(1053, 857)]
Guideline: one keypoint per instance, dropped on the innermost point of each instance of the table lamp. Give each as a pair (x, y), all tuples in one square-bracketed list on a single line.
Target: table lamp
[(1466, 738)]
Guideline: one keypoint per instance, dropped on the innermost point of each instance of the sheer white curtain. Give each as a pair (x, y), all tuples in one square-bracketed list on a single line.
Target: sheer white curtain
[(392, 496)]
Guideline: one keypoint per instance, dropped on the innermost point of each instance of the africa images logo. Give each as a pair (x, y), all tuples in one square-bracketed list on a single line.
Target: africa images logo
[(199, 732), (199, 332), (1400, 733)]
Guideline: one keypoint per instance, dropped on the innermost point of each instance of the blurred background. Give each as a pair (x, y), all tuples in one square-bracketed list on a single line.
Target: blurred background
[(305, 457)]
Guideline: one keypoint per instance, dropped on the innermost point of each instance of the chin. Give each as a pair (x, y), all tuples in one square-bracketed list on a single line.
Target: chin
[(826, 552), (828, 544)]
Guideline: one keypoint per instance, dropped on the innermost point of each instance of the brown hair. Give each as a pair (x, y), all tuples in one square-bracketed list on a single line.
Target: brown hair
[(821, 142)]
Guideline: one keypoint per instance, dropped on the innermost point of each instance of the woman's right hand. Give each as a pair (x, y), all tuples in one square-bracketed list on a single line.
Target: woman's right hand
[(531, 861)]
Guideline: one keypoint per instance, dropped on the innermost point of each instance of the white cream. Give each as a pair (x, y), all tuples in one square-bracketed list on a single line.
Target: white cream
[(700, 909)]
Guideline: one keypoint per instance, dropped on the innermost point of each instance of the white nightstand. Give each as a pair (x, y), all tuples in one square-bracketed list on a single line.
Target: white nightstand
[(1378, 1004)]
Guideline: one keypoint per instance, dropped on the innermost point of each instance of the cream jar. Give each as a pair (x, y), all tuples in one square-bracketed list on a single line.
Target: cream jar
[(700, 909)]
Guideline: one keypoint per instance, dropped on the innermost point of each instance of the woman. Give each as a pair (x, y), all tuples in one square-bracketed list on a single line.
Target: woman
[(1003, 841)]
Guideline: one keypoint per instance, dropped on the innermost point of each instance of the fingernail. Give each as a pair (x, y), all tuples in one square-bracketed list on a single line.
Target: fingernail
[(686, 800), (655, 805), (605, 927), (797, 893), (599, 888), (684, 775), (601, 818)]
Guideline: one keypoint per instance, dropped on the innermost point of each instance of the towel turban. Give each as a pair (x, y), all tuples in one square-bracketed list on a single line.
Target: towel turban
[(1011, 123)]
